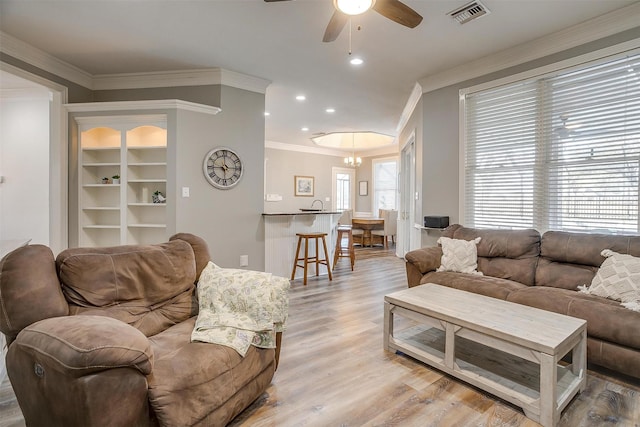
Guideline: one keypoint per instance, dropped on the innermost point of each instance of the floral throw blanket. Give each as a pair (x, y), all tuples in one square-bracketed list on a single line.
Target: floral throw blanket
[(239, 308)]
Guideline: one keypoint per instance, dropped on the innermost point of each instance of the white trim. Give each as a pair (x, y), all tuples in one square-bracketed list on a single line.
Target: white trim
[(597, 55), (201, 77), (302, 148), (58, 159), (410, 106), (390, 149), (141, 105), (47, 62), (606, 25), (461, 151)]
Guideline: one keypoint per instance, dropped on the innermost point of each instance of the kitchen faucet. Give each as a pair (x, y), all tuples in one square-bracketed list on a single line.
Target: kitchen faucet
[(321, 204)]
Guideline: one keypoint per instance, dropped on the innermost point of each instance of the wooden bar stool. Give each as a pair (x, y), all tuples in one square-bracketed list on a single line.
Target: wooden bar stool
[(341, 252), (314, 259)]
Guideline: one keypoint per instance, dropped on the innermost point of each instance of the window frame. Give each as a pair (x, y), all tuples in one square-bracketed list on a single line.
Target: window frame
[(591, 59), (373, 189)]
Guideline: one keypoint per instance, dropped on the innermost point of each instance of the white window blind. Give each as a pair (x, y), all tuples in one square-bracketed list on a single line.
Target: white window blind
[(557, 152), (385, 183)]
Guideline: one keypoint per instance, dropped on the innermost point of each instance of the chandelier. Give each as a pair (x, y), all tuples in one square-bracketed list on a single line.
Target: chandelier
[(353, 161)]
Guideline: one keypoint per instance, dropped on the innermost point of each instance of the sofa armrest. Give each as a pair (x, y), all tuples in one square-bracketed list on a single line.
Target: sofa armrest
[(81, 370), (421, 261), (80, 345)]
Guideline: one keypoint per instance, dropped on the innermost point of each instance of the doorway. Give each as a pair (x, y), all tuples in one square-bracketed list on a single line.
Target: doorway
[(406, 216), (33, 159)]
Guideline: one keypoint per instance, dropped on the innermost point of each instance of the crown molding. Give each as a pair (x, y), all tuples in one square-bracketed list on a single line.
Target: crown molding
[(141, 105), (390, 149), (43, 60), (303, 148), (410, 106), (606, 25), (200, 77), (47, 62)]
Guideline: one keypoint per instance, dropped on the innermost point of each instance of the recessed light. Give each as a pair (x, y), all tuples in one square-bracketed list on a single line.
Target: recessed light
[(305, 129), (266, 113), (330, 110), (356, 61), (301, 97)]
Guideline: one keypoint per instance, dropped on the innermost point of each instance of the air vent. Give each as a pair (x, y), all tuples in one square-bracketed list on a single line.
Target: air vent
[(469, 12)]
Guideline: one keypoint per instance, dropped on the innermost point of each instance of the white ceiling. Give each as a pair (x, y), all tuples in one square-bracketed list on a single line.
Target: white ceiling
[(281, 42)]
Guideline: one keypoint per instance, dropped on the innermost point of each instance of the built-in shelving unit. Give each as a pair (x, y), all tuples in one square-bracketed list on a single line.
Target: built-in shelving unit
[(135, 149)]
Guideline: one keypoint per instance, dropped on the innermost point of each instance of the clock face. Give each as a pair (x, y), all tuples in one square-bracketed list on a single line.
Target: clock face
[(223, 168)]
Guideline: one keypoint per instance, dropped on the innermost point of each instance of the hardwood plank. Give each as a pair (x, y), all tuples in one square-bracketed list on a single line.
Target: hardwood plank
[(334, 372)]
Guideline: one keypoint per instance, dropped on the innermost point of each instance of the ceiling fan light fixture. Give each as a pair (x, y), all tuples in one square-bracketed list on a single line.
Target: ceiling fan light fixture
[(353, 7)]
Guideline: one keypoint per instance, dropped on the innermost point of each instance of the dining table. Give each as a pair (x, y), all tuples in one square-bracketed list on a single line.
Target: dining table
[(366, 225)]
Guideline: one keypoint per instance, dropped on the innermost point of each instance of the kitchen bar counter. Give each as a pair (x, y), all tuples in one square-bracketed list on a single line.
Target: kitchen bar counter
[(302, 213), (280, 239)]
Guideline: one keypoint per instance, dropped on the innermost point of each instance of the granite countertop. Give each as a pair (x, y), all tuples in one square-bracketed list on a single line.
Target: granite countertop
[(301, 213)]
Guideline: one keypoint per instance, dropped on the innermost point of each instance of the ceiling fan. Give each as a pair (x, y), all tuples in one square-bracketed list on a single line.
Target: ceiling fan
[(391, 9)]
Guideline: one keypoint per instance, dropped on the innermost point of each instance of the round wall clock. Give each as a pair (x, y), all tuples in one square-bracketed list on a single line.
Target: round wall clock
[(223, 168)]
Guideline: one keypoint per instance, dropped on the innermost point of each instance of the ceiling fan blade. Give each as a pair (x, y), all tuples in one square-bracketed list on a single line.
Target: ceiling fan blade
[(398, 12), (334, 28)]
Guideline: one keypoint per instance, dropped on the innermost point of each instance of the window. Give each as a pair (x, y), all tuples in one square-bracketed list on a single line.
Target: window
[(385, 183), (559, 151), (343, 191)]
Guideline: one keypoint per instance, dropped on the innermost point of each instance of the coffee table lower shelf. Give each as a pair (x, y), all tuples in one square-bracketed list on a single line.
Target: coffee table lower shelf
[(502, 373)]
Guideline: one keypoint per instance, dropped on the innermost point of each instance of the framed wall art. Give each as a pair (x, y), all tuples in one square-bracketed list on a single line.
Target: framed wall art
[(364, 188), (303, 186)]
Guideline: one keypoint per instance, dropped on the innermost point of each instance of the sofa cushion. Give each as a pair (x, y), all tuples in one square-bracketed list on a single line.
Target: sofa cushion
[(484, 285), (568, 260), (618, 278), (606, 319), (150, 287), (459, 255), (191, 380), (498, 250)]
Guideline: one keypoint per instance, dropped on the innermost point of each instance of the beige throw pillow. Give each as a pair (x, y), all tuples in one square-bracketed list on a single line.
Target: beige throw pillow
[(459, 255), (618, 278)]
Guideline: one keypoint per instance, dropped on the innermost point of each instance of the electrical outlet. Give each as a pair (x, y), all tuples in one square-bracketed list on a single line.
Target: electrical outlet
[(185, 191), (244, 260)]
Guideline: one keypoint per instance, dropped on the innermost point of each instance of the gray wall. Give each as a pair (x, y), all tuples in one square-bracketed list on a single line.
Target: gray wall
[(439, 154), (229, 220), (281, 168), (76, 93)]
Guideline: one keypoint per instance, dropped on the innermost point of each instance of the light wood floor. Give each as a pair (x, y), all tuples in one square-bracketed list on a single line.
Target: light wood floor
[(333, 371)]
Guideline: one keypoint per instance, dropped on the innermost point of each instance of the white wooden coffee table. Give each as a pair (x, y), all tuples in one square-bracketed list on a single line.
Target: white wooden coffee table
[(507, 349)]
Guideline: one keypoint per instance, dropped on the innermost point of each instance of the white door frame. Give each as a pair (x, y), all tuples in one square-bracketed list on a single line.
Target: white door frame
[(407, 181), (352, 187), (58, 157)]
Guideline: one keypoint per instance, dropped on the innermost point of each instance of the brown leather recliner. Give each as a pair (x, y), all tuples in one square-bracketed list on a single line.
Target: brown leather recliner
[(101, 337)]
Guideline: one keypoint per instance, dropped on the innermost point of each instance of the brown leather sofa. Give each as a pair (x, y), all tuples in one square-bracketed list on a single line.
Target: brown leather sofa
[(101, 337), (545, 272)]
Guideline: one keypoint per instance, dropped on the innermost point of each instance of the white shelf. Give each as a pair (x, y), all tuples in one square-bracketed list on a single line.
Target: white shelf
[(88, 165), (150, 147), (134, 147)]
